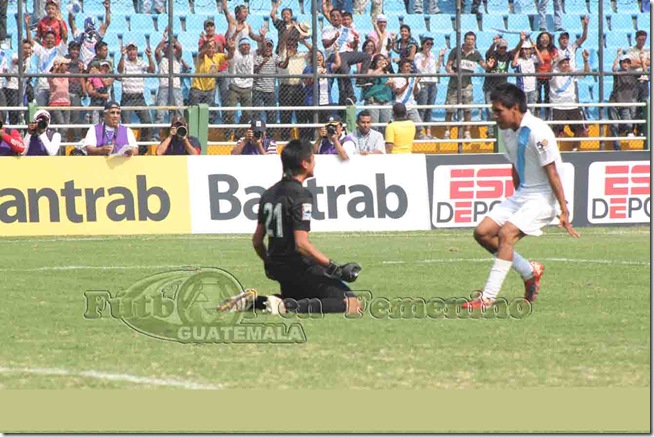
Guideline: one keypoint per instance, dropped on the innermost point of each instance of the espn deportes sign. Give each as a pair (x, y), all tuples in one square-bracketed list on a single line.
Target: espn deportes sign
[(464, 194), (619, 192), (366, 193)]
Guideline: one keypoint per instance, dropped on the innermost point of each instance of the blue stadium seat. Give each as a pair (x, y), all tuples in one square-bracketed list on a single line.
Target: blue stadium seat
[(576, 7), (608, 88), (484, 40), (593, 39), (118, 89), (94, 7), (118, 21), (162, 22), (391, 8), (617, 39), (491, 23), (137, 37), (627, 7), (593, 7), (643, 21), (362, 24), (622, 22), (257, 21), (439, 43), (518, 23), (111, 38), (195, 23), (181, 8), (440, 23), (572, 22), (524, 7), (499, 7), (469, 22), (609, 57), (142, 23), (416, 23), (189, 41)]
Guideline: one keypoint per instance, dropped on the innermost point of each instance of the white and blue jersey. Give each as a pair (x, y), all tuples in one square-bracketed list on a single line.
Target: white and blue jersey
[(529, 149)]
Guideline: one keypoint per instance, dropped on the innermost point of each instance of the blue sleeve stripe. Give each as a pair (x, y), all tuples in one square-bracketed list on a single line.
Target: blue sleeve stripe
[(523, 141)]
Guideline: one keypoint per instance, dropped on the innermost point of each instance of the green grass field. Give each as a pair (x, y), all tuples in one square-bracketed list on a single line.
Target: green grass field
[(589, 328)]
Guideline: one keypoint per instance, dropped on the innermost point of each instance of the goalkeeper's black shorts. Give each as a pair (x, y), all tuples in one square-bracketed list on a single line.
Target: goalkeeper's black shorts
[(306, 282)]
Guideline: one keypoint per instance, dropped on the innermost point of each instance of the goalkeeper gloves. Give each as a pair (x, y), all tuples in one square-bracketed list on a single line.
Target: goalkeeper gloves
[(347, 272)]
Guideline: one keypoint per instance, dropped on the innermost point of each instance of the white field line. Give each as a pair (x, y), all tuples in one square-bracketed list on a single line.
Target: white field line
[(121, 377), (565, 260), (236, 237)]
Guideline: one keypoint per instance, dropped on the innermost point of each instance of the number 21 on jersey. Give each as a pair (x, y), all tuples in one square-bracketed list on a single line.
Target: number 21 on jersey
[(273, 219)]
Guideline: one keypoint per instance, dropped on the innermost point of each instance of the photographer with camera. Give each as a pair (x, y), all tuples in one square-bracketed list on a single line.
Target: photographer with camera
[(179, 142), (40, 140), (110, 137), (255, 141), (333, 140)]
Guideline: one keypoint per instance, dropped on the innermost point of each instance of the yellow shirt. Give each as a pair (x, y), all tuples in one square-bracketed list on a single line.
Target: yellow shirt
[(207, 66), (401, 134)]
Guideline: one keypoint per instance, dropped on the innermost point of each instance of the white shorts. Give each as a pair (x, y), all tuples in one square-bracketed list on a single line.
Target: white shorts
[(529, 213)]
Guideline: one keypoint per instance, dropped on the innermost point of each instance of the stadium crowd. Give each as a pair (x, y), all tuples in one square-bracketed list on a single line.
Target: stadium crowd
[(254, 66)]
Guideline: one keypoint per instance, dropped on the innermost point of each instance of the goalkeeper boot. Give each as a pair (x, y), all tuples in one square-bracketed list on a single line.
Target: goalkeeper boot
[(241, 302), (532, 285)]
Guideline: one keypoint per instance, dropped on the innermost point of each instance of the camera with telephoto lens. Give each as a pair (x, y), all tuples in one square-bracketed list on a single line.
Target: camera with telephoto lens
[(42, 123), (182, 131), (258, 135), (331, 130)]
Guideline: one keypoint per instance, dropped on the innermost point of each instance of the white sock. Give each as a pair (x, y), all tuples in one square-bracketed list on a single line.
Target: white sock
[(522, 266), (496, 278)]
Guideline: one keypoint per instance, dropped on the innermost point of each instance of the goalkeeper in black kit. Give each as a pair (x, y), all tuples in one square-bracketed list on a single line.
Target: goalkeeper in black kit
[(309, 280)]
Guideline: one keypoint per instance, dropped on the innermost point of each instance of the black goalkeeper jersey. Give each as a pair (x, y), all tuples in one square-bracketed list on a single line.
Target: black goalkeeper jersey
[(284, 208)]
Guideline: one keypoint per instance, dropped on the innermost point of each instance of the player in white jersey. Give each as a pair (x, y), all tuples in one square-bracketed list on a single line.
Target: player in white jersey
[(532, 150)]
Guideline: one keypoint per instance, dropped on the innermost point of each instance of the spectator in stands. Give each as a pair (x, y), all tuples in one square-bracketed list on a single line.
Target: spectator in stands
[(134, 87), (380, 92), (401, 132), (89, 37), (333, 140), (203, 89), (432, 6), (524, 61), (498, 59), (4, 68), (545, 47), (39, 139), (98, 88), (360, 5), (162, 56), (405, 46), (558, 13), (13, 99), (240, 90), (367, 141), (159, 7), (59, 93), (52, 22), (11, 143), (286, 30), (45, 55), (381, 36), (640, 61), (209, 34), (426, 62), (625, 90), (255, 141), (110, 137), (469, 57), (237, 27), (76, 87), (563, 92), (101, 55), (324, 84), (263, 88), (178, 141), (405, 89), (341, 39), (291, 91), (571, 50)]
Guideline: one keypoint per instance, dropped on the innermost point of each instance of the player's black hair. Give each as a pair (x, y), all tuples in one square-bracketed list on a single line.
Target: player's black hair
[(509, 95), (364, 113), (293, 154)]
